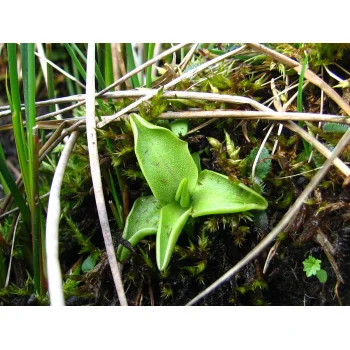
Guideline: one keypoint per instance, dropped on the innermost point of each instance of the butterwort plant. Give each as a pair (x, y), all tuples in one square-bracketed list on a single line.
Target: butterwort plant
[(180, 190)]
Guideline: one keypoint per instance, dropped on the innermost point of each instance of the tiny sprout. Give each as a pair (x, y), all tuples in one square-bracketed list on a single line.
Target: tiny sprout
[(215, 144), (203, 244), (312, 266), (166, 292)]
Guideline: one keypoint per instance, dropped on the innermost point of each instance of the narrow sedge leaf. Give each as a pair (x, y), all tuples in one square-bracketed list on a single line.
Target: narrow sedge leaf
[(163, 158), (307, 146), (172, 219), (28, 68), (15, 104), (141, 221), (76, 61), (149, 69), (130, 65), (215, 194), (109, 75), (100, 79)]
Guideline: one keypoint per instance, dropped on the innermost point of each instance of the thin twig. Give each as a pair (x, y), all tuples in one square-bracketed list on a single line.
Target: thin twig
[(14, 210), (226, 113), (96, 173), (12, 247), (52, 226), (279, 108), (271, 254), (253, 115), (260, 150), (121, 80), (41, 57), (170, 84), (319, 146), (309, 75), (116, 71), (188, 57), (282, 224)]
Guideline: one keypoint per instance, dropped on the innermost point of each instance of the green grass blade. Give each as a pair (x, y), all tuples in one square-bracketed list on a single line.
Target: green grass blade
[(130, 65), (109, 75), (300, 86), (36, 213), (15, 104), (119, 218), (76, 75), (307, 146), (149, 69), (28, 68), (76, 61), (99, 67), (99, 76), (78, 51)]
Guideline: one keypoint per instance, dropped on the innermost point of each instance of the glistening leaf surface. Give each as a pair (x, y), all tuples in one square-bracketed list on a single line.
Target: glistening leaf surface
[(215, 194), (173, 218), (141, 221), (163, 158)]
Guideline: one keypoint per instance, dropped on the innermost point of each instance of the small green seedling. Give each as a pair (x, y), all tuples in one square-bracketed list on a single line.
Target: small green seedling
[(312, 266), (180, 190)]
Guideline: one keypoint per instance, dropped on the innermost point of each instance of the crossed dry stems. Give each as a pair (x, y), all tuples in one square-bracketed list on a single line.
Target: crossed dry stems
[(70, 127)]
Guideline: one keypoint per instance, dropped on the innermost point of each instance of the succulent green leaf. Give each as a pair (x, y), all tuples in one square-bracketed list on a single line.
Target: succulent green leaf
[(141, 221), (172, 219), (182, 194), (90, 262), (163, 158), (215, 194), (197, 160), (264, 164), (322, 276), (179, 127)]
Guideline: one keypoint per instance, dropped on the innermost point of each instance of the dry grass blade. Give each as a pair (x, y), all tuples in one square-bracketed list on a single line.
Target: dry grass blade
[(171, 84), (319, 146), (282, 224), (260, 150), (11, 255), (43, 58), (52, 226), (96, 174), (253, 115), (309, 75), (123, 79), (188, 57)]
